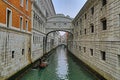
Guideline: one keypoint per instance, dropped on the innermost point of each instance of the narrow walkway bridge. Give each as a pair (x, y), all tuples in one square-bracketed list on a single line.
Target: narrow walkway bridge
[(59, 23), (56, 23)]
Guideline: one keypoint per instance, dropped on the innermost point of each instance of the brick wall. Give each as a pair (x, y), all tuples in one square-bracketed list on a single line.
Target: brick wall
[(17, 11)]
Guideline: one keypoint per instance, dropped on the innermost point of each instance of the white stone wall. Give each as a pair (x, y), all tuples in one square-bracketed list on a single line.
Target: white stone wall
[(37, 45), (13, 41), (101, 40), (38, 30), (52, 41), (58, 22), (41, 9), (50, 46)]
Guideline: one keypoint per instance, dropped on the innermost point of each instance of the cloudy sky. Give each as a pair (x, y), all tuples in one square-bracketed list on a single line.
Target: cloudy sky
[(68, 7)]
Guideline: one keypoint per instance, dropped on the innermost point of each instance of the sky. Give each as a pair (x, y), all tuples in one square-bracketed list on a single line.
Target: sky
[(68, 7), (62, 33)]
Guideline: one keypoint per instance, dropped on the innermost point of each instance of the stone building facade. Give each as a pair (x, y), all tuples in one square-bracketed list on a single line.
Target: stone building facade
[(15, 36), (97, 37), (39, 14)]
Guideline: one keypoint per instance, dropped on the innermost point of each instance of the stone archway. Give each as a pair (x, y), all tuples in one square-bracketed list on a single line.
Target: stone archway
[(58, 22), (45, 39)]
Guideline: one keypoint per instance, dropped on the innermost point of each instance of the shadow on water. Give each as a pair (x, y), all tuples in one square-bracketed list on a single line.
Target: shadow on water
[(62, 66), (83, 69)]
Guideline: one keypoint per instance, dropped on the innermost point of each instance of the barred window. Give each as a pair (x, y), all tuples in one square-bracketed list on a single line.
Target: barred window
[(92, 28), (104, 24), (92, 10), (85, 16), (119, 20), (80, 48), (23, 51), (85, 31), (91, 50), (104, 2), (103, 55), (84, 49), (13, 52), (119, 60)]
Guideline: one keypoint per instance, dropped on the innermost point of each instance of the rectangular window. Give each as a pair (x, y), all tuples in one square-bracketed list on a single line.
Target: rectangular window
[(13, 52), (21, 23), (74, 24), (119, 20), (26, 4), (92, 28), (85, 31), (104, 2), (85, 16), (21, 3), (54, 24), (33, 38), (80, 48), (77, 33), (92, 10), (80, 32), (103, 55), (76, 46), (80, 21), (84, 49), (65, 23), (23, 51), (104, 24), (9, 18), (77, 24), (26, 23), (91, 50), (119, 60)]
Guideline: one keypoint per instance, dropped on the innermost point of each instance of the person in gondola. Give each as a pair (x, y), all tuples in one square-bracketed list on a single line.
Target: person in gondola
[(43, 64)]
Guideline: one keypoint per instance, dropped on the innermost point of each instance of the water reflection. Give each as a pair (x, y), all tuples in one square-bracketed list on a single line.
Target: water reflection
[(62, 65)]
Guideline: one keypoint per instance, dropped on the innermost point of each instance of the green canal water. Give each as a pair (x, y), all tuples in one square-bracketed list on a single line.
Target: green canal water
[(61, 67)]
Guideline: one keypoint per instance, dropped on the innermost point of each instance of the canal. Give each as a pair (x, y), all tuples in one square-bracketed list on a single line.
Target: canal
[(61, 67)]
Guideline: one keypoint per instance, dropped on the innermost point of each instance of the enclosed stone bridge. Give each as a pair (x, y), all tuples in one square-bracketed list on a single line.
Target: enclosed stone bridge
[(59, 22), (56, 23)]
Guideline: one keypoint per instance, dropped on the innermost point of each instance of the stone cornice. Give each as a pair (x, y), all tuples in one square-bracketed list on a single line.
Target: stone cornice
[(35, 5), (2, 26), (57, 16)]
